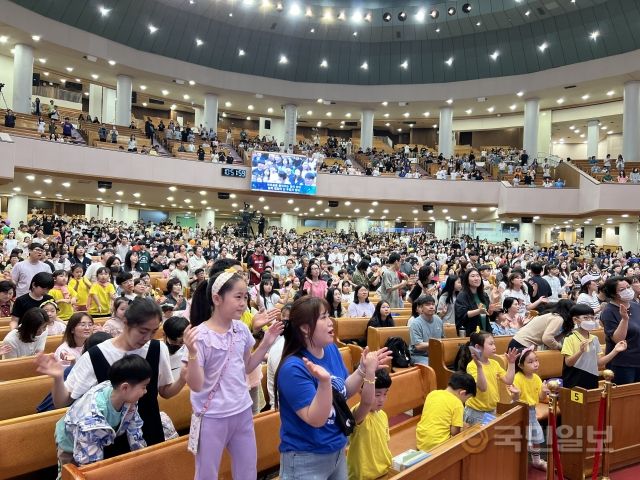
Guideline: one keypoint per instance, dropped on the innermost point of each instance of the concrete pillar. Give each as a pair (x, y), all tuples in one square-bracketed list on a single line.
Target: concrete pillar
[(545, 120), (445, 132), (527, 232), (366, 129), (18, 209), (631, 122), (362, 226), (206, 217), (342, 225), (22, 78), (290, 120), (108, 105), (121, 212), (288, 221), (531, 122), (628, 237), (441, 229), (199, 116), (210, 113), (593, 138), (90, 211), (95, 101), (124, 87), (589, 234)]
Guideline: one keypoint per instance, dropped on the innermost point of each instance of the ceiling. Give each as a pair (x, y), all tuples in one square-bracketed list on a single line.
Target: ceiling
[(84, 190), (576, 132), (278, 44)]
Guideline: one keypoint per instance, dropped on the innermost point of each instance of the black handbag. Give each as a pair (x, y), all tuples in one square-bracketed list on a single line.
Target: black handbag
[(344, 418)]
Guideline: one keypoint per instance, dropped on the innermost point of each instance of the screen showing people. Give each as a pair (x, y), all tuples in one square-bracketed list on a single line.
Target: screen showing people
[(283, 172)]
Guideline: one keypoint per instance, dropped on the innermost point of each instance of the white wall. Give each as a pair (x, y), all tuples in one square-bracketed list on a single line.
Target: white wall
[(6, 77), (276, 130), (44, 103), (575, 151)]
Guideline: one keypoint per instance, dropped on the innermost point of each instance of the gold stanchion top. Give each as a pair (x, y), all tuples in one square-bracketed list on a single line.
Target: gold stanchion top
[(608, 375), (554, 386)]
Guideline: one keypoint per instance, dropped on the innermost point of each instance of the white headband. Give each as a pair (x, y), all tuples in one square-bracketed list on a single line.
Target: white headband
[(221, 280)]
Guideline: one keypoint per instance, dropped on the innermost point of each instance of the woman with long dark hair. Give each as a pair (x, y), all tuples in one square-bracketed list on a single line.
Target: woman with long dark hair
[(447, 299), (381, 316), (334, 299), (546, 331), (472, 306), (310, 375)]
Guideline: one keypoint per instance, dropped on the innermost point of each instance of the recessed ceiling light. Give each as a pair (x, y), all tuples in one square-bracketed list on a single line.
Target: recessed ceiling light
[(527, 13), (438, 30), (30, 177), (494, 56), (585, 96), (324, 63), (38, 192), (137, 195), (241, 53), (319, 124), (435, 125), (520, 93), (165, 92), (406, 114), (594, 35), (329, 114), (283, 60), (95, 76), (185, 96), (192, 82), (450, 101), (490, 109), (384, 104), (449, 61), (36, 38), (309, 112), (152, 29), (143, 87), (269, 110), (104, 11), (17, 189), (611, 93), (313, 30), (48, 181), (355, 34), (444, 210), (543, 46), (348, 114), (69, 69), (405, 64), (426, 114), (560, 101), (364, 66), (102, 189), (513, 107), (4, 39), (469, 111), (41, 60), (199, 42), (111, 62)]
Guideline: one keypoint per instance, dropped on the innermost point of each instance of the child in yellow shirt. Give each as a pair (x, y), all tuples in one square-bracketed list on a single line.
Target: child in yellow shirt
[(528, 388), (369, 456), (442, 413), (101, 294), (79, 284), (476, 360), (63, 294)]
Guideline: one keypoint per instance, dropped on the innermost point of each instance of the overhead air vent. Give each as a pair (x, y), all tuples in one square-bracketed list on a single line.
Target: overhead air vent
[(156, 101), (569, 86), (350, 124)]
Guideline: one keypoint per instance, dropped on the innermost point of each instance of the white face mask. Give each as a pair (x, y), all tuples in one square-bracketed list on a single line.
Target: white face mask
[(588, 325), (627, 294)]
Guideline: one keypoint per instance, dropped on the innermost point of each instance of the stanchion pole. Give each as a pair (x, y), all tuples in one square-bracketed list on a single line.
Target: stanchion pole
[(554, 387), (607, 443)]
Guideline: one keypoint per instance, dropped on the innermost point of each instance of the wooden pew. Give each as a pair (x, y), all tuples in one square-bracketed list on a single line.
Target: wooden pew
[(171, 460), (17, 368), (377, 337), (4, 321), (352, 328), (443, 351), (471, 453), (4, 330), (579, 417), (30, 392)]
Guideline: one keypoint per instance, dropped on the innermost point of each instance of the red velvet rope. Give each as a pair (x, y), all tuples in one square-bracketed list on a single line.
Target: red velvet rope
[(556, 451), (599, 439)]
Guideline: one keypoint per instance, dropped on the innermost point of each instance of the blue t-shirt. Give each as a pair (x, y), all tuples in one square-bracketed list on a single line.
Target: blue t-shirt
[(296, 390)]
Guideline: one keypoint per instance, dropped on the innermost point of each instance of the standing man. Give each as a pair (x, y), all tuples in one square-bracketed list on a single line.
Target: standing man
[(391, 285), (256, 262), (23, 272)]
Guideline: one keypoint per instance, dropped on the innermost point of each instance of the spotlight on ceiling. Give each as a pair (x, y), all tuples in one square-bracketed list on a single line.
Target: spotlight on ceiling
[(386, 16), (402, 16), (451, 10), (466, 8), (434, 13)]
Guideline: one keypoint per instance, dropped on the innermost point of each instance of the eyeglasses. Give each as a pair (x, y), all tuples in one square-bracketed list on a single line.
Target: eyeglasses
[(85, 325)]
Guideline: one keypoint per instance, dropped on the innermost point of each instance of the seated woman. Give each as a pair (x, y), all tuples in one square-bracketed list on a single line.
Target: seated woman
[(361, 306), (174, 295), (30, 337), (79, 328), (382, 316), (334, 298)]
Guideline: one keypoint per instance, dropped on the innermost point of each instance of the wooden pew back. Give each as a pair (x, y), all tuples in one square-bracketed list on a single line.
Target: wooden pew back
[(30, 392), (352, 328), (377, 337), (17, 368)]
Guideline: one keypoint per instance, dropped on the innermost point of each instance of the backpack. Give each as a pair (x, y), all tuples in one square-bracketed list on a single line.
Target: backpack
[(400, 355)]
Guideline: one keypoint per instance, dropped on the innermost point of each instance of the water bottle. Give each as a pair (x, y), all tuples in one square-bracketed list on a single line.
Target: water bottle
[(463, 332)]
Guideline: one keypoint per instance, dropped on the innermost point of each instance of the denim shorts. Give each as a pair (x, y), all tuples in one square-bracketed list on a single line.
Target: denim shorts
[(475, 417), (536, 435), (313, 466)]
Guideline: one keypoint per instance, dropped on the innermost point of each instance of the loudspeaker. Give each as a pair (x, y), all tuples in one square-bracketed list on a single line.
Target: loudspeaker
[(134, 97), (333, 203), (36, 79), (527, 219), (223, 195), (104, 184), (267, 124), (426, 208), (616, 230), (598, 232)]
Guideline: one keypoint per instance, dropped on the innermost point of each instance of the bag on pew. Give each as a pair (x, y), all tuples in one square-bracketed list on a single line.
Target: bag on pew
[(400, 354)]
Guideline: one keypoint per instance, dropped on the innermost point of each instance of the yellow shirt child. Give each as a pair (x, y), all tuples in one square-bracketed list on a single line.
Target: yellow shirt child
[(65, 309), (442, 410), (369, 456), (488, 400), (103, 293)]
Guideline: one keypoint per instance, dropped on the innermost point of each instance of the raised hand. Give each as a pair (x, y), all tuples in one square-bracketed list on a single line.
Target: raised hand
[(383, 356), (512, 355), (190, 336), (624, 312), (621, 346), (274, 331), (46, 364), (316, 371)]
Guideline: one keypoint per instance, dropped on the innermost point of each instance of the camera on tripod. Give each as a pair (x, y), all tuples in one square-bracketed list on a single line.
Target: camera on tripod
[(1, 86)]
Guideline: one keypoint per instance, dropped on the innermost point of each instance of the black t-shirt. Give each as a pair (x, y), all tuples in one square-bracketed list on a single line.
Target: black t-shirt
[(538, 287), (26, 302)]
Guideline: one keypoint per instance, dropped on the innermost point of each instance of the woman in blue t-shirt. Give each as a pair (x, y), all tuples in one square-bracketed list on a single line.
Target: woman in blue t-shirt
[(312, 443)]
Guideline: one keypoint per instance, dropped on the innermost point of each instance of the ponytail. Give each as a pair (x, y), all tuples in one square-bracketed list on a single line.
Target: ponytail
[(464, 357), (202, 300)]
